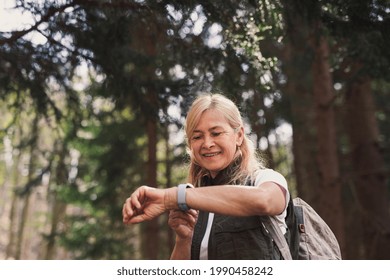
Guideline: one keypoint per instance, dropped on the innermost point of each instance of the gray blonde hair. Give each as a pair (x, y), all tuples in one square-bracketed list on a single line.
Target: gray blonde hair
[(249, 162)]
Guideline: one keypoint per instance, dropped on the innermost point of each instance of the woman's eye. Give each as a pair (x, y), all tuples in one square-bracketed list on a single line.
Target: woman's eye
[(215, 134), (196, 137)]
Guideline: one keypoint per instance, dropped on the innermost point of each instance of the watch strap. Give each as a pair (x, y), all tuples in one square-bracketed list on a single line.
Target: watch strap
[(181, 196)]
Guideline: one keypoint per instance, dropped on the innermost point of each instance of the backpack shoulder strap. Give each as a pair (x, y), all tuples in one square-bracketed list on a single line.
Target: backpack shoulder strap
[(288, 243), (278, 236), (299, 216)]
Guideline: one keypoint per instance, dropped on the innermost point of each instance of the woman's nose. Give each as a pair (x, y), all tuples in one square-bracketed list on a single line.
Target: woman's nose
[(208, 142)]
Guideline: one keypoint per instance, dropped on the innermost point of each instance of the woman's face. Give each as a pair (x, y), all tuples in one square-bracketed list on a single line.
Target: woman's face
[(214, 142)]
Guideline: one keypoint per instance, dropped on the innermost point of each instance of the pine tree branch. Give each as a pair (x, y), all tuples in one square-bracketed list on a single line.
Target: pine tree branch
[(52, 11), (16, 35)]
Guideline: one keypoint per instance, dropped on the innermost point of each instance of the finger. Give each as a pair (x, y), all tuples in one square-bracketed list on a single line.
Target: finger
[(126, 216), (176, 217), (181, 218), (177, 223), (129, 210), (134, 202), (191, 220), (193, 213), (128, 207), (138, 219), (138, 198), (174, 213), (124, 213)]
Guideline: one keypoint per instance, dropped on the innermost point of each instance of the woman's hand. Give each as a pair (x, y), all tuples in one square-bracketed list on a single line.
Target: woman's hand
[(183, 223), (144, 204)]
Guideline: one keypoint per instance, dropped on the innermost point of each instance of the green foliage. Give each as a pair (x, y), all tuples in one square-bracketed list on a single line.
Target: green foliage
[(110, 155), (91, 237), (143, 57), (361, 31)]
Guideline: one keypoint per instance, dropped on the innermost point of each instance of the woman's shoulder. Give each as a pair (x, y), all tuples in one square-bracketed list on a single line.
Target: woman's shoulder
[(269, 175)]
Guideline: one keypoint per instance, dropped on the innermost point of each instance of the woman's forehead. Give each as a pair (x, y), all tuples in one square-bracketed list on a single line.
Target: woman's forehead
[(211, 119)]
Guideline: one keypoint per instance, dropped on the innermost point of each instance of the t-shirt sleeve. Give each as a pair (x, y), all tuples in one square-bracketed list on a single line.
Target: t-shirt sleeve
[(270, 175)]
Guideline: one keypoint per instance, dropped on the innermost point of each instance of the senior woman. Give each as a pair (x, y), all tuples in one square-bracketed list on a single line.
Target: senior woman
[(215, 214)]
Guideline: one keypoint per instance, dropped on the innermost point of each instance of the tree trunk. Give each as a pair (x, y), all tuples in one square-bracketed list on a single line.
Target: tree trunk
[(58, 214), (150, 236), (309, 87), (298, 59), (328, 161), (168, 175), (368, 176), (10, 251), (148, 47), (58, 208), (26, 199)]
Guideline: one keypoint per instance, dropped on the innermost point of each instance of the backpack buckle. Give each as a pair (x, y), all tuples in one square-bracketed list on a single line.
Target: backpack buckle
[(301, 228)]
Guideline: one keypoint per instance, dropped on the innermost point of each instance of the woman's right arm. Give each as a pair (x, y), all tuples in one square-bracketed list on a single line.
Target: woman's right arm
[(182, 250), (183, 224)]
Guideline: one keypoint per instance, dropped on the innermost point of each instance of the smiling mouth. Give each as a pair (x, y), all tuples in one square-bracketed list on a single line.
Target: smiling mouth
[(211, 154)]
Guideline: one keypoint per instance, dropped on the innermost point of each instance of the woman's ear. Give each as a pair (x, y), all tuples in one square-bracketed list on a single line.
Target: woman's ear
[(240, 136)]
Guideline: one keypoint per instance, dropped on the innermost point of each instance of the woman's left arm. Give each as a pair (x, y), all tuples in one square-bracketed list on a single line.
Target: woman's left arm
[(147, 203), (266, 199)]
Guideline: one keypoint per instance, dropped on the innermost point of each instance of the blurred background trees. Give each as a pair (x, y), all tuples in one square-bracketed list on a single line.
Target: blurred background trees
[(94, 93)]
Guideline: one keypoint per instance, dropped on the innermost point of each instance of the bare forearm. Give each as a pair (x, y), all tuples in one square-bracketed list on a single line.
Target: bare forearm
[(182, 250), (237, 200)]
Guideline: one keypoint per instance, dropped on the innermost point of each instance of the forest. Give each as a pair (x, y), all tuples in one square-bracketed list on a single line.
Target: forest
[(93, 95)]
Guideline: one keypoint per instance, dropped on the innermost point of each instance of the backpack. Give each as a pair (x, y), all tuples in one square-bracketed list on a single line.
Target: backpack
[(308, 237)]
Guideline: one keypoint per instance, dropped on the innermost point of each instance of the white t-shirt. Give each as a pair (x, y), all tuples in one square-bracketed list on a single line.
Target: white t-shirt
[(263, 175)]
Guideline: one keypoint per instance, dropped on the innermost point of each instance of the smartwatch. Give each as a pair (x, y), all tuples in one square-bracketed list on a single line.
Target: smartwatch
[(181, 196)]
